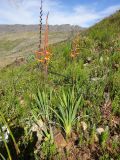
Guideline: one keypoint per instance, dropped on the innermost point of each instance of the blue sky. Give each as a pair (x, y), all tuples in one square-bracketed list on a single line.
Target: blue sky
[(76, 12)]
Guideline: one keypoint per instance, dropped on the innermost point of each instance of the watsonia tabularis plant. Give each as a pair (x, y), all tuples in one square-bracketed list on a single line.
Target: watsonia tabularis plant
[(67, 110)]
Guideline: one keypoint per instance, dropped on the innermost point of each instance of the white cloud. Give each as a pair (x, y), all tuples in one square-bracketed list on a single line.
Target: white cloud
[(28, 13), (22, 17), (110, 10)]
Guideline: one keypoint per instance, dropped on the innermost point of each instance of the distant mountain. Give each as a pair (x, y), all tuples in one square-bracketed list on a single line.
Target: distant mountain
[(35, 28), (22, 40)]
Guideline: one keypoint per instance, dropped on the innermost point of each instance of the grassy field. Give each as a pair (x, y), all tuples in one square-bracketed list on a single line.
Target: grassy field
[(73, 112)]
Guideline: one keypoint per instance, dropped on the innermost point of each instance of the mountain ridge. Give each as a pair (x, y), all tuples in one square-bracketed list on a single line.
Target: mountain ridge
[(35, 28)]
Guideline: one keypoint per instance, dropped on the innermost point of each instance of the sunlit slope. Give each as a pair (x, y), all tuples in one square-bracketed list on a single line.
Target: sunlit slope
[(107, 30)]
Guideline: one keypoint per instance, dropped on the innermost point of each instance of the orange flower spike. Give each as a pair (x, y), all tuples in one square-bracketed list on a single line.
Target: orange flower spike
[(75, 47), (47, 58), (41, 60)]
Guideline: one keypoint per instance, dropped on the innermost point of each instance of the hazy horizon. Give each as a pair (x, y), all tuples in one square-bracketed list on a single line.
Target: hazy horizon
[(83, 14)]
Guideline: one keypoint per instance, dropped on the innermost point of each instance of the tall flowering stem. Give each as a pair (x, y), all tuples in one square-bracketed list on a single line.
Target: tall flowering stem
[(46, 52), (75, 49), (40, 29), (46, 33), (43, 54)]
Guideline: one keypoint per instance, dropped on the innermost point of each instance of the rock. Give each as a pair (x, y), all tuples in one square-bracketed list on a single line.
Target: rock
[(38, 127), (84, 125), (100, 131), (60, 142), (40, 123), (89, 59), (86, 156), (6, 133), (86, 64), (95, 79), (116, 138)]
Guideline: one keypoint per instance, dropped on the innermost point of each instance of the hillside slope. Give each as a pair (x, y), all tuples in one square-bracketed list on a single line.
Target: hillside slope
[(73, 110), (22, 40), (107, 29)]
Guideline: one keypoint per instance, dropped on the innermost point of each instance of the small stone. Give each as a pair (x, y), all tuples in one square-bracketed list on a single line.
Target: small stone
[(86, 156), (116, 138), (38, 127), (6, 133), (60, 141), (89, 59), (100, 130), (95, 79), (40, 123), (84, 125), (86, 64)]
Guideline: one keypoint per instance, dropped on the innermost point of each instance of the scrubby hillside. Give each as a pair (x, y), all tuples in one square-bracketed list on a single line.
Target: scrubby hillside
[(106, 29), (73, 112)]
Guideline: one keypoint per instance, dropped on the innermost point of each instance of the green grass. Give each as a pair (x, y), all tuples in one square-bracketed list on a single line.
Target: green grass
[(29, 97)]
